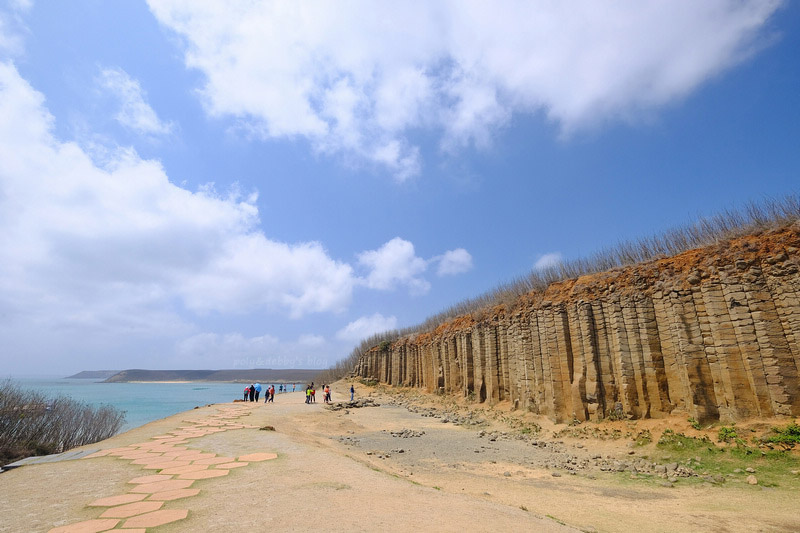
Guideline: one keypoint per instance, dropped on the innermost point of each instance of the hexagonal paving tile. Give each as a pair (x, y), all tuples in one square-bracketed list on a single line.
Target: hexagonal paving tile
[(131, 509), (203, 474), (160, 486), (157, 518), (87, 526), (117, 500), (166, 463), (169, 495), (149, 479), (184, 469), (235, 464)]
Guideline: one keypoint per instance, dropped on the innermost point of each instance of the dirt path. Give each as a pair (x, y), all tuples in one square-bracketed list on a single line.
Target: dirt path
[(396, 466)]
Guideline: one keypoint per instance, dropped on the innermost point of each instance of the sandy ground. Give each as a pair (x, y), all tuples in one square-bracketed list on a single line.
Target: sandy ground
[(392, 467)]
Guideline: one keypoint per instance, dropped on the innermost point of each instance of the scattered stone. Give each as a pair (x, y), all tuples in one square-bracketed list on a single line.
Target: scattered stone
[(555, 474), (752, 480), (267, 428)]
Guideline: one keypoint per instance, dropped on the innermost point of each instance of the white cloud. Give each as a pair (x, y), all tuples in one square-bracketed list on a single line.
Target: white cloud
[(122, 246), (93, 259), (366, 326), (311, 340), (359, 77), (234, 350), (453, 262), (549, 260), (135, 113), (394, 263)]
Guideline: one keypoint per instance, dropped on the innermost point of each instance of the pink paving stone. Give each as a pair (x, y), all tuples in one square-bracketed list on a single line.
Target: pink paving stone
[(169, 495), (232, 465), (179, 450), (149, 479), (184, 469), (168, 446), (151, 458), (87, 526), (192, 435), (255, 457), (160, 486), (132, 509), (117, 500), (159, 437), (157, 518), (138, 530), (158, 465), (138, 455), (196, 456), (203, 474), (213, 461)]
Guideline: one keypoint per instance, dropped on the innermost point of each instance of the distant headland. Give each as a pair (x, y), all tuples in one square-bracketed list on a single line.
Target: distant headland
[(238, 375)]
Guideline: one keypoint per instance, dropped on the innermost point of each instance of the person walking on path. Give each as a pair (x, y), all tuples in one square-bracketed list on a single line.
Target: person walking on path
[(352, 392), (258, 390), (308, 393), (246, 393), (271, 393), (252, 392)]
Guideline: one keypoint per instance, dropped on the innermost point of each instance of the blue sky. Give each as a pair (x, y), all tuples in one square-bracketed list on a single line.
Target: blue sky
[(219, 185)]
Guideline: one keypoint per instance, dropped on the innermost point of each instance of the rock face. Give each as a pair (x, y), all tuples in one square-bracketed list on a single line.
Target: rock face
[(713, 333)]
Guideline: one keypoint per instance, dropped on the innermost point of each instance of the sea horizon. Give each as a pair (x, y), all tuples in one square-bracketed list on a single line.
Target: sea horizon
[(142, 402)]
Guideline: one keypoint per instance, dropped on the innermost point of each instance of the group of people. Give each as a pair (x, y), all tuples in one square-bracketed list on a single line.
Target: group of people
[(311, 393), (252, 392)]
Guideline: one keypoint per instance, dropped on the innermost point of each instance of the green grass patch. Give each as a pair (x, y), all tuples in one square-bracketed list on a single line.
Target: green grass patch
[(726, 434), (790, 435), (772, 467)]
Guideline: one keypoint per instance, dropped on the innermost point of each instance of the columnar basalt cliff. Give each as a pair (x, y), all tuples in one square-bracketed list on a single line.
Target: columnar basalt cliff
[(712, 333)]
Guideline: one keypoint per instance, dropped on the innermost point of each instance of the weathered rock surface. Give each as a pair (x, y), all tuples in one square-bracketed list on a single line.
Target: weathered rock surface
[(712, 332)]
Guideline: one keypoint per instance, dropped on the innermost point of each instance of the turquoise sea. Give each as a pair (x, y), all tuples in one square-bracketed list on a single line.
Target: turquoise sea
[(142, 402)]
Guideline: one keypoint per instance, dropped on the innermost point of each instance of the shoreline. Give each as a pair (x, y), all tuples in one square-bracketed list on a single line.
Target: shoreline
[(399, 464)]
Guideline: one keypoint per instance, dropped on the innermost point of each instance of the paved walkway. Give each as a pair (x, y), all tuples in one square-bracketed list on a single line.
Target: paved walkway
[(177, 467)]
